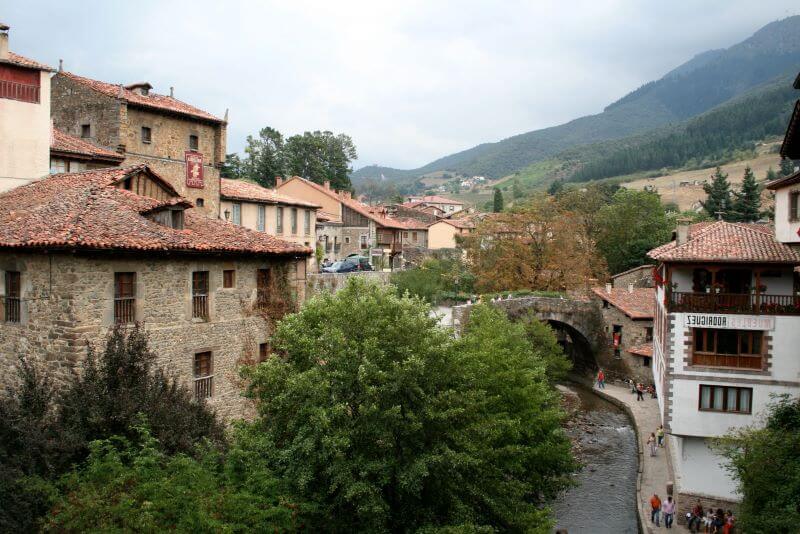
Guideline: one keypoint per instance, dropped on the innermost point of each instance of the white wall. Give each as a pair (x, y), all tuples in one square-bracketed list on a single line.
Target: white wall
[(700, 470), (25, 138), (785, 231)]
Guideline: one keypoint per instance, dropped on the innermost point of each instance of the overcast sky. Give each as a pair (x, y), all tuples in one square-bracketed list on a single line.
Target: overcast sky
[(409, 80)]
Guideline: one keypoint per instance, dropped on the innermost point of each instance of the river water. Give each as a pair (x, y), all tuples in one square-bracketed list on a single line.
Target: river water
[(604, 498)]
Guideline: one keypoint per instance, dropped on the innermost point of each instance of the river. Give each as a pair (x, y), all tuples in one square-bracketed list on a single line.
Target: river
[(604, 498)]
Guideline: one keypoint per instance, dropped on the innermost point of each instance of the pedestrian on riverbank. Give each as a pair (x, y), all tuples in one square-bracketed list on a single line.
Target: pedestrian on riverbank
[(668, 509), (655, 509), (729, 523), (696, 518), (601, 379), (709, 521), (651, 442), (633, 385), (660, 435), (639, 392)]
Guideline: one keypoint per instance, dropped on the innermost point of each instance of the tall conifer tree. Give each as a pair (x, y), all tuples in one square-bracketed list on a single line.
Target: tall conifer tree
[(747, 202), (498, 201), (718, 195)]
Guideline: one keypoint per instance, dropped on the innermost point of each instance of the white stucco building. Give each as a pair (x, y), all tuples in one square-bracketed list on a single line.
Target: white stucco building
[(726, 338), (24, 117)]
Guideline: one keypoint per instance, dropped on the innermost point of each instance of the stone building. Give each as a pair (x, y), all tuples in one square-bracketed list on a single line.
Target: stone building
[(81, 253), (641, 276), (628, 321), (446, 205), (72, 154), (184, 144), (24, 117)]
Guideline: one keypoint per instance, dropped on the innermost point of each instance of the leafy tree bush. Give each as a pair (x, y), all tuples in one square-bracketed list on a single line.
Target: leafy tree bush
[(766, 463), (497, 201), (435, 279), (382, 422)]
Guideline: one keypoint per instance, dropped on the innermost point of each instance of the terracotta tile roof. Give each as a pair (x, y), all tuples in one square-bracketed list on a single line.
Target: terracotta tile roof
[(85, 211), (462, 223), (636, 304), (68, 144), (248, 191), (151, 100), (783, 182), (435, 199), (645, 349), (409, 223), (21, 61), (722, 241)]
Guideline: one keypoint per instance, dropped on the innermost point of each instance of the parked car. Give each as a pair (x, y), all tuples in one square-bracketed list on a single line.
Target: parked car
[(362, 261), (347, 266)]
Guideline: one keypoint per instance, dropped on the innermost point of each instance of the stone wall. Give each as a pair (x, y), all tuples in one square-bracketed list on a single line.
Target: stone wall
[(638, 276), (73, 104), (333, 282), (68, 305), (633, 333)]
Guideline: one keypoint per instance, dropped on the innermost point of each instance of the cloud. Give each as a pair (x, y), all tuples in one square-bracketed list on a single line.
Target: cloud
[(409, 81)]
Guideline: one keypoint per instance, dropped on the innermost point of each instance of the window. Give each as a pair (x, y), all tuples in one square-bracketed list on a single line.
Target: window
[(646, 361), (124, 298), (605, 304), (347, 240), (794, 205), (262, 216), (146, 134), (405, 234), (648, 334), (307, 222), (263, 278), (263, 352), (19, 84), (228, 278), (13, 296), (237, 213), (199, 202), (86, 130), (57, 166), (200, 294), (293, 219), (194, 142), (414, 237), (363, 242), (203, 375), (176, 219), (725, 399), (279, 220), (741, 349)]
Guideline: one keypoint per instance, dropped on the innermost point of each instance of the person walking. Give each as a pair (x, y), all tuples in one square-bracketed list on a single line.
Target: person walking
[(668, 509), (655, 509), (639, 392), (660, 435), (651, 442), (696, 518), (601, 379)]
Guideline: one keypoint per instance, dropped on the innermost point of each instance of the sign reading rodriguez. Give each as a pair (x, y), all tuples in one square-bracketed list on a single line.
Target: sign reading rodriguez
[(729, 322)]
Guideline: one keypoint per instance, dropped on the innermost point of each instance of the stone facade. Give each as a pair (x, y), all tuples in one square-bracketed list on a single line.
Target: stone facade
[(117, 124), (641, 276), (632, 333), (67, 303)]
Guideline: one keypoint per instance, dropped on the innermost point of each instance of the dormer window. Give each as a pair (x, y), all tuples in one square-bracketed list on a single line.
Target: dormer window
[(171, 217)]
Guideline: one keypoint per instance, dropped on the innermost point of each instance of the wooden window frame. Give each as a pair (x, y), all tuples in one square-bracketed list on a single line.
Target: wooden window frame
[(279, 220), (194, 142), (200, 286), (711, 346), (293, 220), (725, 389), (12, 301), (124, 298), (229, 278), (236, 213), (147, 135), (203, 383), (307, 222), (261, 222), (86, 131)]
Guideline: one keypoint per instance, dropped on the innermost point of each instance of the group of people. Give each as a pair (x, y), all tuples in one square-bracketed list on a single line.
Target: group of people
[(719, 522), (640, 389), (659, 509), (656, 440)]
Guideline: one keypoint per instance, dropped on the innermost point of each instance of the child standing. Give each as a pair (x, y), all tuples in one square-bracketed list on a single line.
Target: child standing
[(660, 435), (651, 442)]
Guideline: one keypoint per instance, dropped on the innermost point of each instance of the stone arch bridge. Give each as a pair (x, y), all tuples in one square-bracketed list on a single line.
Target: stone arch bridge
[(578, 324)]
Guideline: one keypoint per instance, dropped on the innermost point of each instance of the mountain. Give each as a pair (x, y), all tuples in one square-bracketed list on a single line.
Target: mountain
[(702, 83)]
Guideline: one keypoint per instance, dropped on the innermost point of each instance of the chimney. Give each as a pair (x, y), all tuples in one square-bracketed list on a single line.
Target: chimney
[(4, 40), (682, 232), (608, 288), (327, 184), (60, 65), (630, 288), (171, 92)]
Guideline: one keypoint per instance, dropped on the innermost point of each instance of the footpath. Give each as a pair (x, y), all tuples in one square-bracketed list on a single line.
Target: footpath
[(654, 471)]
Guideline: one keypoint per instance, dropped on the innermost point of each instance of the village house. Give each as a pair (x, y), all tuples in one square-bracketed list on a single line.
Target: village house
[(444, 232), (25, 113), (446, 205), (265, 210), (184, 144), (357, 228), (81, 253)]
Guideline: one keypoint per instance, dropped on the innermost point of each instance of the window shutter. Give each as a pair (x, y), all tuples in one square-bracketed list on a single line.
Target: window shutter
[(794, 197), (262, 212)]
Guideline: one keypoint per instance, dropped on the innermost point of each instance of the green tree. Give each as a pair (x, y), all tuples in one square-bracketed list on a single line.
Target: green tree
[(555, 187), (787, 167), (265, 157), (718, 196), (766, 463), (771, 175), (321, 156), (232, 168), (631, 225), (516, 189), (380, 430), (497, 201), (747, 202)]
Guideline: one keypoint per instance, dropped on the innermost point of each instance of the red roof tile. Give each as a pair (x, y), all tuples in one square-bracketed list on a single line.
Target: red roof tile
[(645, 349), (435, 199), (248, 191), (21, 61), (85, 211), (151, 100), (463, 223), (636, 304), (68, 144), (722, 241)]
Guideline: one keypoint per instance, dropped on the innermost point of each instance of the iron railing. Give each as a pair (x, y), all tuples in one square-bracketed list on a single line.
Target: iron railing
[(124, 310), (12, 309)]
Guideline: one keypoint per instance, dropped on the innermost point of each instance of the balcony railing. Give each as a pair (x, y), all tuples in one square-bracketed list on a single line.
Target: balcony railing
[(124, 310), (200, 306), (734, 303), (204, 387), (19, 91), (11, 309)]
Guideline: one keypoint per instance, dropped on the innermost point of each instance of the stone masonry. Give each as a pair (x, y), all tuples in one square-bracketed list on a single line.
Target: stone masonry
[(68, 304), (632, 334)]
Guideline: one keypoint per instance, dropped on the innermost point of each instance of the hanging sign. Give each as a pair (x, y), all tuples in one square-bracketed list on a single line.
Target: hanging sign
[(194, 169)]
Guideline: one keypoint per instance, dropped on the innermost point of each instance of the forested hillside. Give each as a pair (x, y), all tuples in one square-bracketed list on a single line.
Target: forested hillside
[(699, 85)]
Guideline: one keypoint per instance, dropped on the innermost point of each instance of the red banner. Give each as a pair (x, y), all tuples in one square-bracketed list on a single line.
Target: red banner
[(194, 169), (617, 339)]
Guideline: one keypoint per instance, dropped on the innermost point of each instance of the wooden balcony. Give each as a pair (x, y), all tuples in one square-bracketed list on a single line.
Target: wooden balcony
[(204, 387), (200, 306), (736, 303), (124, 310), (19, 91)]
